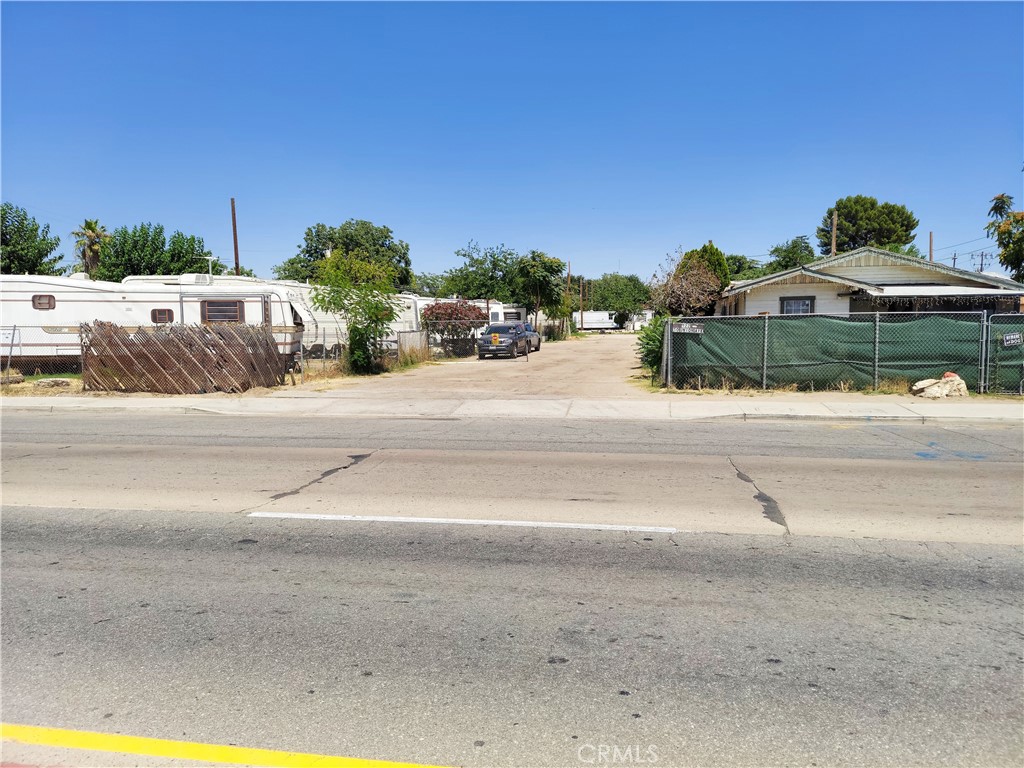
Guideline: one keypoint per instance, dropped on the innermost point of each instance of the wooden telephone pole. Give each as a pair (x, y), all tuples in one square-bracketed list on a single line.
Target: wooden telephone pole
[(234, 233), (835, 225)]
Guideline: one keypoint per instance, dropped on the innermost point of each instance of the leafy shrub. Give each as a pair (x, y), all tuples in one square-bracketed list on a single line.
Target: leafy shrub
[(453, 322), (649, 342)]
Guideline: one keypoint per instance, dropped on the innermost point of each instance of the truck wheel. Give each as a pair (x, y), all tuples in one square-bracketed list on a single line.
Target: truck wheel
[(481, 355), (515, 351)]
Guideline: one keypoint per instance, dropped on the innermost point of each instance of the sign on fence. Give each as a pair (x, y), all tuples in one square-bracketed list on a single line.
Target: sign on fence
[(687, 327), (1013, 339)]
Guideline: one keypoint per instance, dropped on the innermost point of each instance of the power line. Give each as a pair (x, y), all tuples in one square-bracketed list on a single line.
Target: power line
[(957, 245)]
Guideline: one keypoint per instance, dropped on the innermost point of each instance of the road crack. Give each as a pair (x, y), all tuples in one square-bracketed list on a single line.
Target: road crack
[(354, 460), (770, 507)]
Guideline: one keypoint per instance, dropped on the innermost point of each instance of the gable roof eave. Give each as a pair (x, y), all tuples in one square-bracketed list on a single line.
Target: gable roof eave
[(780, 276), (914, 261)]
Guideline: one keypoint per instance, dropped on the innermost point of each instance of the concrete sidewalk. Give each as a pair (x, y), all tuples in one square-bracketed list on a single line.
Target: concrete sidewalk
[(800, 406)]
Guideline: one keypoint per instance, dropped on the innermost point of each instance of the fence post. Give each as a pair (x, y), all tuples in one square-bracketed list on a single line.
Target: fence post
[(10, 351), (764, 356), (875, 367), (666, 351), (983, 358)]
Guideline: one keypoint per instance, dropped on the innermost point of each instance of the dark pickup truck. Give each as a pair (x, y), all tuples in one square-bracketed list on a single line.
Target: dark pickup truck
[(533, 338)]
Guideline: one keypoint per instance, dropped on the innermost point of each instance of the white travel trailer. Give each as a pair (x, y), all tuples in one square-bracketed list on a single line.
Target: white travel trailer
[(594, 320), (40, 316), (328, 332)]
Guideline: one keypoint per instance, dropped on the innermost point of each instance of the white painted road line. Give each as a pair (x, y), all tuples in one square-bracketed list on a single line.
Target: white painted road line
[(462, 521)]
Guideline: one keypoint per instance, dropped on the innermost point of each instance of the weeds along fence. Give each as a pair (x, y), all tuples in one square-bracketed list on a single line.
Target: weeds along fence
[(859, 351), (179, 359)]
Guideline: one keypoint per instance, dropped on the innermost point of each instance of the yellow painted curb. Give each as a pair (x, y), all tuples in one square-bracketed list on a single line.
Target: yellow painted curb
[(182, 750)]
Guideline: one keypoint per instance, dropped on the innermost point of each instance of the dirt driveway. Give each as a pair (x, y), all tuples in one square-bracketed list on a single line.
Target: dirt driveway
[(599, 366)]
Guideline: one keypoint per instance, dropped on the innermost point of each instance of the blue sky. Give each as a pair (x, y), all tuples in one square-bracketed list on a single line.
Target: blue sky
[(604, 134)]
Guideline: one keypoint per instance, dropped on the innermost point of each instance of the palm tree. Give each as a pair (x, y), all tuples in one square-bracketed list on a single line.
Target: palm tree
[(90, 236)]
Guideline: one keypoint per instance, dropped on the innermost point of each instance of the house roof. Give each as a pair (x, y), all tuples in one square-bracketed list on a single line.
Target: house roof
[(992, 284), (941, 290)]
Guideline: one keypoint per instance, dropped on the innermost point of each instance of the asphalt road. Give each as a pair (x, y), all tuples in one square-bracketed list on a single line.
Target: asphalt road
[(911, 482), (870, 614), (457, 646)]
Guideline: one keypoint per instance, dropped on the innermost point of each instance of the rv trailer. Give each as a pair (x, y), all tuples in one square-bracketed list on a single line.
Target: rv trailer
[(40, 316)]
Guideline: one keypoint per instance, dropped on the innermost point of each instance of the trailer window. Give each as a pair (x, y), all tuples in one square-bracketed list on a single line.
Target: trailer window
[(162, 316), (223, 311), (43, 301)]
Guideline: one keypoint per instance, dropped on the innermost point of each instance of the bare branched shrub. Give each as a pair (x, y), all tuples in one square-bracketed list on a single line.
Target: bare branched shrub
[(684, 288)]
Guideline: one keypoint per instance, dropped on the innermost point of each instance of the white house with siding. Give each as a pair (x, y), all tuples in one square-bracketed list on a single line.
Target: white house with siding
[(871, 280)]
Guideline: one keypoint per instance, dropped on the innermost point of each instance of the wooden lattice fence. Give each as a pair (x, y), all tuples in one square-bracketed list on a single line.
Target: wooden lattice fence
[(179, 359)]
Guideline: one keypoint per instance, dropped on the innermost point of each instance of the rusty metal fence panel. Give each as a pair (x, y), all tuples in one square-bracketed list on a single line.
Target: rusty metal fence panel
[(179, 359)]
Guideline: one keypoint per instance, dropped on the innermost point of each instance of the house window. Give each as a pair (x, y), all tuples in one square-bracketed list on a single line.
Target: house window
[(223, 311), (796, 305), (162, 316), (43, 301)]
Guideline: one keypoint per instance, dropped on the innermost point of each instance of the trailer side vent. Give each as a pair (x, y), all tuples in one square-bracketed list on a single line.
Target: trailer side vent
[(43, 301)]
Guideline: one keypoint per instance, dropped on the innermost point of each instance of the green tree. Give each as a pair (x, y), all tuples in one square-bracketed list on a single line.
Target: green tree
[(25, 247), (356, 239), (91, 236), (743, 268), (864, 222), (538, 281), (428, 284), (361, 292), (625, 295), (906, 250), (145, 250), (1007, 229), (790, 254), (711, 257), (488, 273)]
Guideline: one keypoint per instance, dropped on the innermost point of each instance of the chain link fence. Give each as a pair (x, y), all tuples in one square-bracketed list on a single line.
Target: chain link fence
[(41, 349), (452, 338), (825, 352), (1004, 363)]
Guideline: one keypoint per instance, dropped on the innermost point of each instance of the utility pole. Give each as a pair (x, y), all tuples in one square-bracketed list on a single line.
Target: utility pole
[(954, 259), (835, 225), (580, 328), (234, 233), (931, 246), (981, 261)]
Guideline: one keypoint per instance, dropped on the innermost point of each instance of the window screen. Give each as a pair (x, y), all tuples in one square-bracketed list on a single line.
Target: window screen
[(223, 312), (796, 305)]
